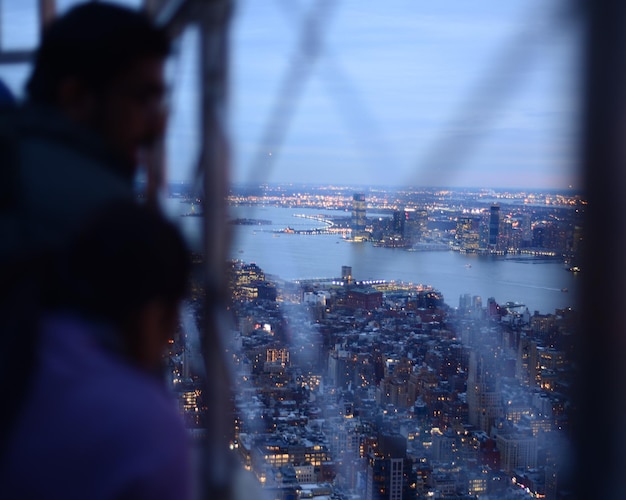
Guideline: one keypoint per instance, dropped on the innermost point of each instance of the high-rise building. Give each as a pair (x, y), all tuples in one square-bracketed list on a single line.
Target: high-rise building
[(399, 217), (415, 224), (389, 471), (477, 302), (346, 274), (527, 231), (484, 399), (467, 236), (465, 302), (526, 366), (494, 225), (359, 220), (517, 451)]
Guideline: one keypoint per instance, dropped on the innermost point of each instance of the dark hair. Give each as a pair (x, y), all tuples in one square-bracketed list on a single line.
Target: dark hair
[(126, 257), (94, 42)]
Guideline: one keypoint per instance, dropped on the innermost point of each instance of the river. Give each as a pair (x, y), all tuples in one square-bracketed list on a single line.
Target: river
[(537, 282)]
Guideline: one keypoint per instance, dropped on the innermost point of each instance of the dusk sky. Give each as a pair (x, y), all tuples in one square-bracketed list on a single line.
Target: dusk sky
[(406, 92)]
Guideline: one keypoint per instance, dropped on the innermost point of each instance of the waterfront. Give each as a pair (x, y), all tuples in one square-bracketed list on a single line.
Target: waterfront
[(534, 281), (401, 346)]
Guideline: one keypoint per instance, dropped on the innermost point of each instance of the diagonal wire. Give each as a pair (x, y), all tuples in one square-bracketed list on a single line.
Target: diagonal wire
[(351, 109), (446, 154), (291, 89)]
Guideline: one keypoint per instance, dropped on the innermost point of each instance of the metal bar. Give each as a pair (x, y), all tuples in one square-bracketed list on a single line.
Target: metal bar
[(16, 56), (175, 15), (602, 400), (212, 17), (168, 10), (214, 165)]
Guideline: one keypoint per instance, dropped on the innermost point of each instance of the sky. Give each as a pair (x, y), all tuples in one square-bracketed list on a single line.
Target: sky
[(406, 92), (399, 93)]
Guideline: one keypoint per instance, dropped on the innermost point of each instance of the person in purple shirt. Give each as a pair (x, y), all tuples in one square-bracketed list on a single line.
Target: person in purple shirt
[(97, 421), (93, 113)]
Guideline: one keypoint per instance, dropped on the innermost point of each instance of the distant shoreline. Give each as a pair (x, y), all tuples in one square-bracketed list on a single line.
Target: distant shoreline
[(250, 222)]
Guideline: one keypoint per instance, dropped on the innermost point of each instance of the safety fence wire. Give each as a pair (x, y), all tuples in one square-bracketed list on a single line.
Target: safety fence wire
[(448, 153), (291, 88), (192, 38), (351, 109), (445, 155)]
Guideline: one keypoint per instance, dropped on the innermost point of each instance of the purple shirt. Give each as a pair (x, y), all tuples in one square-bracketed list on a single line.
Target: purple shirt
[(93, 426)]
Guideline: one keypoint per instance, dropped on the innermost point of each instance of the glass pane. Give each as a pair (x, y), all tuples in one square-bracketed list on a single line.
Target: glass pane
[(19, 24), (14, 76), (406, 216), (184, 130)]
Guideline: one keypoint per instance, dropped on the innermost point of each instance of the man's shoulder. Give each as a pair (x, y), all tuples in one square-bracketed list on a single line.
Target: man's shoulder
[(82, 369), (129, 397), (115, 427), (126, 415), (51, 147), (137, 420), (59, 174)]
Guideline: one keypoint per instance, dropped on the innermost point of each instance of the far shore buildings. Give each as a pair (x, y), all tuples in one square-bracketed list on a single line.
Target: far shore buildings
[(359, 217)]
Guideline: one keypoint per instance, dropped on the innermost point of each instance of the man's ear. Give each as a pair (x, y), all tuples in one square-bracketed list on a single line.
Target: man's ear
[(76, 100)]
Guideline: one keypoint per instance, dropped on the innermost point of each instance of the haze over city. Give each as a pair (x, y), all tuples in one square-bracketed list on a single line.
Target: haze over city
[(441, 93), (444, 93)]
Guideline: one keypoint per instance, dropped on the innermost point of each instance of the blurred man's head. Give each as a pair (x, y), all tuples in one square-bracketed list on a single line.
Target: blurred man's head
[(101, 65), (129, 269)]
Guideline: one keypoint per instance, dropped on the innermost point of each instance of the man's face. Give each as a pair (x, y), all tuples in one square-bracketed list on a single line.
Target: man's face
[(130, 114)]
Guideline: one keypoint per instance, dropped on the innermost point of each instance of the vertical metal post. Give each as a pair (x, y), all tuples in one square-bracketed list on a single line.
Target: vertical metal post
[(212, 17), (600, 434), (215, 165), (215, 155)]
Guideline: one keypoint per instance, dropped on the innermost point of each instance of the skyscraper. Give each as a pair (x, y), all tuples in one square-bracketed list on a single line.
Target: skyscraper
[(467, 237), (415, 224), (346, 274), (399, 218), (359, 220), (389, 470), (494, 225), (483, 393)]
